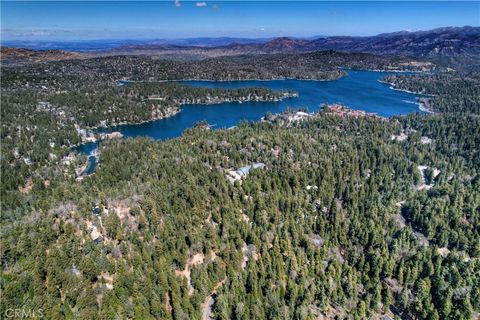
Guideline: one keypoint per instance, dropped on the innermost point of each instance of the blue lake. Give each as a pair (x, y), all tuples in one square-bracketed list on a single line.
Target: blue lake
[(359, 90)]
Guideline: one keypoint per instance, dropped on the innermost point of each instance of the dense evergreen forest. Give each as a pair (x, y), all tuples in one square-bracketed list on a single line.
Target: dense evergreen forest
[(452, 91), (350, 218)]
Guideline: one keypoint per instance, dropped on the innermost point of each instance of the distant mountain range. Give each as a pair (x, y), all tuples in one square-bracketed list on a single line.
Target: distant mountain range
[(103, 45), (433, 43), (450, 44), (443, 42)]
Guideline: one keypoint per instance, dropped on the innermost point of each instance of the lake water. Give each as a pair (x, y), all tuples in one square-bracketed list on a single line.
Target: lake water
[(359, 90)]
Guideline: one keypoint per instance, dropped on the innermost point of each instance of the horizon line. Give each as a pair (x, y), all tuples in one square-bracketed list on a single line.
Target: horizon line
[(319, 35)]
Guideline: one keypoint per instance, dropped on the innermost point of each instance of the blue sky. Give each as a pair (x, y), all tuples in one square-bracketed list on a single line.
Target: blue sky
[(71, 20)]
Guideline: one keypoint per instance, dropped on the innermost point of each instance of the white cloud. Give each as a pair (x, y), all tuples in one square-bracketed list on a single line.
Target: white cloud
[(21, 33), (39, 33), (178, 4), (201, 4), (215, 7)]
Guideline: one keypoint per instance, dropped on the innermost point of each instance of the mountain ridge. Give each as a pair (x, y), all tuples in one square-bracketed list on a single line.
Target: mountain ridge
[(453, 45)]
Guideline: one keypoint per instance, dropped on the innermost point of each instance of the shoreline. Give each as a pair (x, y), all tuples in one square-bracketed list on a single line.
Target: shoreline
[(124, 123), (423, 106), (230, 80), (293, 95), (424, 109), (339, 110), (420, 102), (114, 126), (386, 70), (283, 96), (392, 86), (265, 80), (397, 71)]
